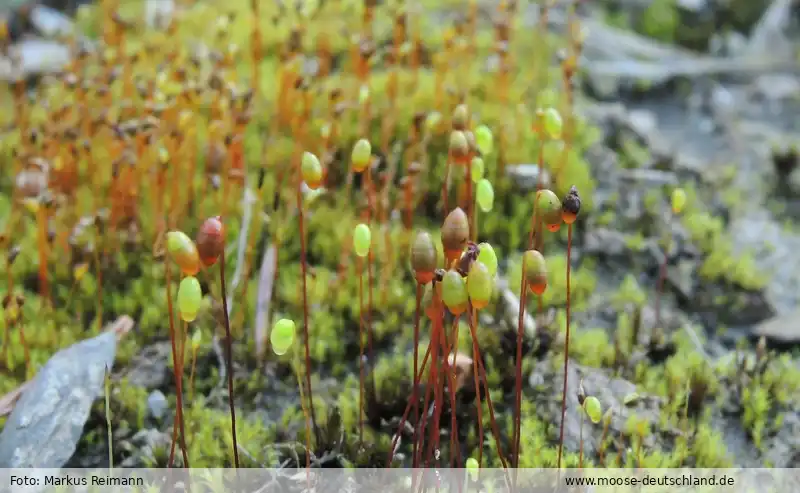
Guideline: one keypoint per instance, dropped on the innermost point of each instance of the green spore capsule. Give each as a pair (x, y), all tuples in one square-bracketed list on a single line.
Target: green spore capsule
[(362, 239), (487, 257), (190, 295), (549, 209), (479, 285), (552, 122), (593, 409), (678, 200), (454, 292), (362, 153), (473, 467), (184, 252), (311, 170), (282, 336), (484, 195), (476, 169), (484, 139)]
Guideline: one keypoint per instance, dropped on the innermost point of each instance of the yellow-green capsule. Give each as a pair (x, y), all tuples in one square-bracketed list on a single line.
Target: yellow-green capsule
[(190, 295), (476, 169), (488, 257), (484, 195), (362, 239), (362, 153), (484, 139), (184, 252), (282, 336), (311, 169), (593, 409), (454, 292), (473, 468), (678, 200), (479, 285)]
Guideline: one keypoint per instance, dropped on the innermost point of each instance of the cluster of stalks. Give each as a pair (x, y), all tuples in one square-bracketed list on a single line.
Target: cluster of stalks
[(129, 131)]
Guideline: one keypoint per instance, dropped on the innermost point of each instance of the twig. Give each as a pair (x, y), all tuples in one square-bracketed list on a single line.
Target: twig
[(266, 282), (241, 248)]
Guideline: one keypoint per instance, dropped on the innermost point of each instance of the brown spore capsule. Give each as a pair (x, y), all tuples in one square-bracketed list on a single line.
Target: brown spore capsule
[(455, 233), (460, 117), (423, 257), (571, 206), (459, 147), (210, 240)]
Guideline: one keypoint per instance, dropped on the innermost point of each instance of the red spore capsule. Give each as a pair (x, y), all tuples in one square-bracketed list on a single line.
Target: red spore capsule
[(210, 240)]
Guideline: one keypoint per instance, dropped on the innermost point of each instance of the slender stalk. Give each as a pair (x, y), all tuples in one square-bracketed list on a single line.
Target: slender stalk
[(492, 420), (304, 268), (433, 441), (24, 343), (228, 356), (478, 405), (450, 375), (107, 388), (404, 418), (662, 277), (191, 374), (415, 388), (176, 373), (296, 364), (369, 265), (44, 283), (360, 352), (523, 292), (566, 350), (580, 451)]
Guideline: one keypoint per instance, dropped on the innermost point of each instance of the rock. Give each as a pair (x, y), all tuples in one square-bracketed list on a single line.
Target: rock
[(611, 393), (511, 308), (777, 87), (33, 57), (643, 122), (150, 368), (144, 448), (774, 250), (782, 329), (50, 22), (157, 404), (526, 176), (681, 278), (605, 242), (47, 422)]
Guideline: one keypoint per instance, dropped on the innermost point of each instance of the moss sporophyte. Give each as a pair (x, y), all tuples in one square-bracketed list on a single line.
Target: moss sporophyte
[(369, 183)]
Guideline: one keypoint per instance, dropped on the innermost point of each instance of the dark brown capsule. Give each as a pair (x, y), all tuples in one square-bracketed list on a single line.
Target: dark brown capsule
[(571, 206)]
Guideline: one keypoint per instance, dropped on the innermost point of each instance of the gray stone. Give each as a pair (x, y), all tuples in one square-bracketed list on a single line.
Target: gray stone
[(157, 404), (47, 422), (783, 329), (526, 176), (611, 393)]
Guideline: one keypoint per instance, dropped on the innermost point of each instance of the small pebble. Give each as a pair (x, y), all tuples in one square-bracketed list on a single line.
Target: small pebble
[(157, 404)]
